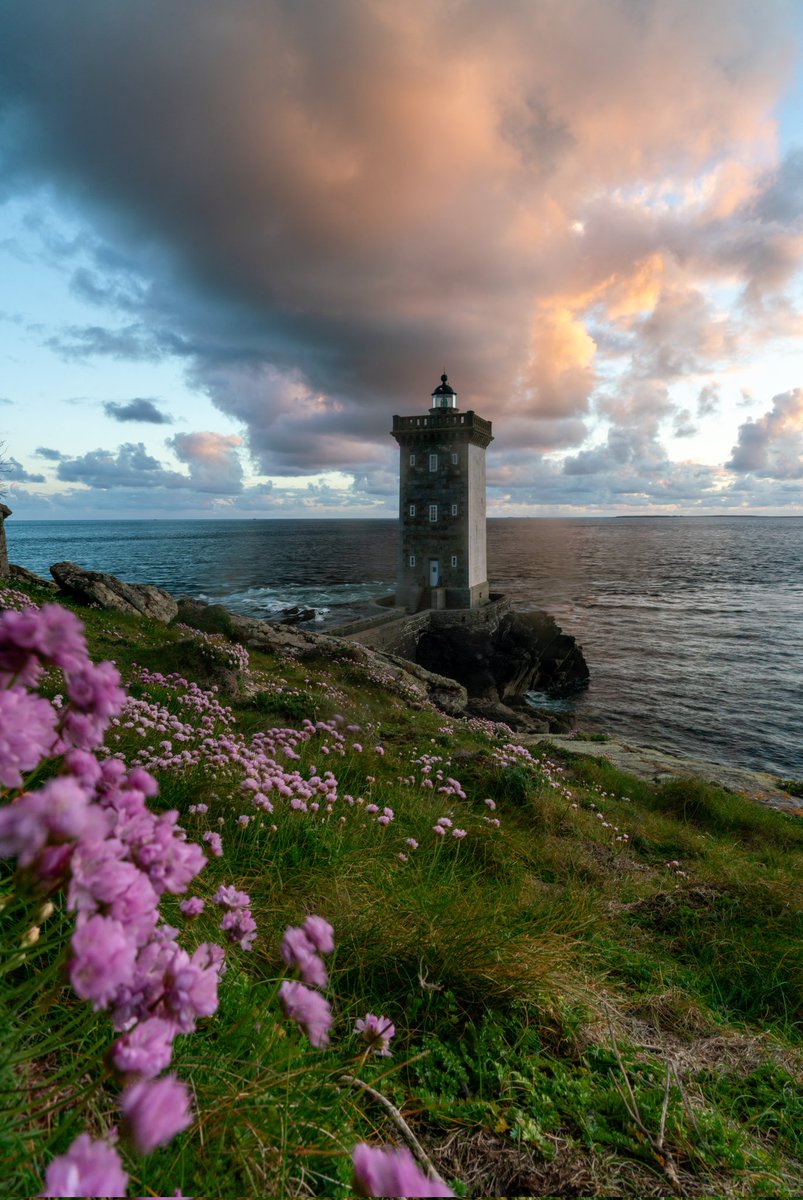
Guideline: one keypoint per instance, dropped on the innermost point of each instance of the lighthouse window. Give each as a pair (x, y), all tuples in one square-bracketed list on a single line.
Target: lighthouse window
[(433, 512), (412, 560), (412, 510), (454, 510), (454, 560), (412, 460), (433, 462), (454, 460)]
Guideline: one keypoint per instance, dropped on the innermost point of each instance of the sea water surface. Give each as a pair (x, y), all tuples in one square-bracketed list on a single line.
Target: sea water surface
[(692, 627)]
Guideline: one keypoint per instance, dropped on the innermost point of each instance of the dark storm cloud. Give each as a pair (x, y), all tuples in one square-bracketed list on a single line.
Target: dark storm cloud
[(138, 409), (317, 206)]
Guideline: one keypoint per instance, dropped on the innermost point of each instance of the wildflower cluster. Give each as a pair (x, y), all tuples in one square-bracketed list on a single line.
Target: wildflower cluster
[(88, 831), (219, 649), (11, 599), (302, 948)]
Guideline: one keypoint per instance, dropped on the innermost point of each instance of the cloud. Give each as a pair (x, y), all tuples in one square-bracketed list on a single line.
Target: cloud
[(138, 409), (212, 459), (772, 445), (130, 467), (12, 471), (5, 400), (708, 400), (133, 343), (314, 208), (50, 455)]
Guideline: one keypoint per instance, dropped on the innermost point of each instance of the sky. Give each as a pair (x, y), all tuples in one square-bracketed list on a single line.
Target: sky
[(237, 238)]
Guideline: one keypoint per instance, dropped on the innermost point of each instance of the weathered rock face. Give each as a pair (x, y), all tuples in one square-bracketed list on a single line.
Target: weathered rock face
[(5, 511), (26, 576), (418, 683), (527, 651), (107, 591)]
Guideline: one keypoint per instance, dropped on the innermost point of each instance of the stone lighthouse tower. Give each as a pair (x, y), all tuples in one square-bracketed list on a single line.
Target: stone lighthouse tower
[(442, 506)]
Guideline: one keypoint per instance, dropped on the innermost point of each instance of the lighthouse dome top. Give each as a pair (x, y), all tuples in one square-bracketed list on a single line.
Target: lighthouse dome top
[(444, 395)]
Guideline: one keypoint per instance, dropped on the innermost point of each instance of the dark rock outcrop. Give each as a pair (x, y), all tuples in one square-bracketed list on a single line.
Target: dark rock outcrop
[(5, 511), (107, 591), (296, 615), (30, 577), (416, 682), (527, 651)]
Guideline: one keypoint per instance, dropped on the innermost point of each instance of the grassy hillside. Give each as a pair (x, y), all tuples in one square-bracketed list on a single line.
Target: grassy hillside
[(595, 982)]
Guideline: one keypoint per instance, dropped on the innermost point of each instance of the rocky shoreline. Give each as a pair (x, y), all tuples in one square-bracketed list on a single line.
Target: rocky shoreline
[(479, 663)]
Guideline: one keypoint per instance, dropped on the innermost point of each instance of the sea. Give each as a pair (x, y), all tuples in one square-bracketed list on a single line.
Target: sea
[(692, 627)]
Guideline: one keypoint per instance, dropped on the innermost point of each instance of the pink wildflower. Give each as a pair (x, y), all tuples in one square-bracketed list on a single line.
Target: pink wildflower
[(228, 897), (192, 907), (102, 960), (27, 734), (459, 833), (299, 951), (146, 1049), (308, 1009), (155, 1111), (386, 1171), (411, 842), (87, 1169), (214, 842), (377, 1032), (320, 933)]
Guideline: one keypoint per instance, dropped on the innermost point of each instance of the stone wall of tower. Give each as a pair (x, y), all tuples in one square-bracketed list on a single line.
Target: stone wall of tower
[(442, 510)]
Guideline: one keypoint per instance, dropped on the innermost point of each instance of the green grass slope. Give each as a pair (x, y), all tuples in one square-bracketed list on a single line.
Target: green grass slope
[(597, 989)]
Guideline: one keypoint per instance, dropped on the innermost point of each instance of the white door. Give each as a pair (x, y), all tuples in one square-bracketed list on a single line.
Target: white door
[(434, 572)]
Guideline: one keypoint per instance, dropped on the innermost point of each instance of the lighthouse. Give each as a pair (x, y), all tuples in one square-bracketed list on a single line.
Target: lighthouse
[(442, 561)]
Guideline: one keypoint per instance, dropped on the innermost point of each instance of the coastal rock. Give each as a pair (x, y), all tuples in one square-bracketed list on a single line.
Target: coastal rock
[(296, 615), (23, 575), (209, 618), (107, 591), (419, 683), (518, 719), (527, 651), (5, 511)]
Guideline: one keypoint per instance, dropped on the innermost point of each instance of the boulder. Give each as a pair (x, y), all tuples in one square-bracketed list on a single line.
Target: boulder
[(107, 591), (210, 618), (30, 577), (296, 615), (518, 719), (526, 651)]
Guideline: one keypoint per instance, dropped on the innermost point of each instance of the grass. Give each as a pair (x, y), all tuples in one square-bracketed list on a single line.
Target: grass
[(533, 971)]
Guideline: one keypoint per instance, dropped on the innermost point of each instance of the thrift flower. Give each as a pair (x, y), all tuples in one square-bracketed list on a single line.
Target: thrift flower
[(310, 1011), (155, 1111), (102, 961), (377, 1032), (87, 1169), (299, 951), (27, 734), (214, 842), (146, 1050), (320, 933), (385, 1171), (192, 907)]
